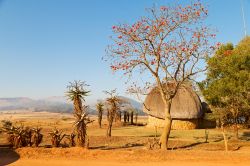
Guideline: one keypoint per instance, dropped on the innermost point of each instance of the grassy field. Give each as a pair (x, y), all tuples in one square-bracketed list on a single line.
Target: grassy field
[(133, 133), (126, 139)]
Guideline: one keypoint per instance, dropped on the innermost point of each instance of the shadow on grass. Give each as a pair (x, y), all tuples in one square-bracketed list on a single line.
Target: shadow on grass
[(152, 135), (246, 136), (218, 140), (187, 146), (157, 136), (126, 146), (7, 155)]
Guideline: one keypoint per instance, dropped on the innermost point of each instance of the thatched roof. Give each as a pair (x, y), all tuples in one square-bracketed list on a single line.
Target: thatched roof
[(185, 105)]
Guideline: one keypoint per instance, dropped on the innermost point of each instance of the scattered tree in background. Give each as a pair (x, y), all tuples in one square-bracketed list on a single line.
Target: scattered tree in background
[(136, 117), (169, 45), (125, 116), (227, 86), (76, 93), (118, 116), (99, 108), (113, 105)]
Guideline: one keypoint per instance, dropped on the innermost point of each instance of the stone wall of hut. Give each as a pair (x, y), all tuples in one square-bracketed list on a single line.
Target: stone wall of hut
[(187, 124), (176, 124)]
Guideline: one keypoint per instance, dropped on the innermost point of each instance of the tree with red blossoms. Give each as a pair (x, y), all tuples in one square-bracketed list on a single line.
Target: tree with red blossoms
[(170, 45)]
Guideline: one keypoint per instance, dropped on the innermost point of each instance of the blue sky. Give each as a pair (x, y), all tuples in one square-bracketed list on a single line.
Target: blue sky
[(44, 44)]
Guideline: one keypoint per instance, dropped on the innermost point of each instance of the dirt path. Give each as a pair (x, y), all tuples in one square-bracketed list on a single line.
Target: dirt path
[(65, 162), (79, 156)]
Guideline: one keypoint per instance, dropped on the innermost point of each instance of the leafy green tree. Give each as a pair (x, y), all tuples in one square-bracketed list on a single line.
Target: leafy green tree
[(227, 86)]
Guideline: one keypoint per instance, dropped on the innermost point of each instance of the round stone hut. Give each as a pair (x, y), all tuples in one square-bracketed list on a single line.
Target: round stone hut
[(186, 109)]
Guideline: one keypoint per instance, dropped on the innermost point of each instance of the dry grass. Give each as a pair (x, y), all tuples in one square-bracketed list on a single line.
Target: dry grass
[(126, 137), (128, 143)]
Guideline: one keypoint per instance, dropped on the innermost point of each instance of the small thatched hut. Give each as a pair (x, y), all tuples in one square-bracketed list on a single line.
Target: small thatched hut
[(186, 108)]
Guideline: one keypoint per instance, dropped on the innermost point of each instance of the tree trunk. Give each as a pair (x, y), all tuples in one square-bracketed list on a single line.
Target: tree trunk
[(132, 118), (136, 118), (235, 116), (236, 131), (109, 130), (100, 119), (218, 123), (110, 121), (118, 116), (81, 135), (225, 138), (128, 117), (125, 117), (108, 115), (167, 127)]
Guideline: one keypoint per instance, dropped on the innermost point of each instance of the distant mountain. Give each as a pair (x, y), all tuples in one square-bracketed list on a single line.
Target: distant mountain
[(54, 104), (57, 99), (35, 105), (128, 104), (135, 104), (15, 103)]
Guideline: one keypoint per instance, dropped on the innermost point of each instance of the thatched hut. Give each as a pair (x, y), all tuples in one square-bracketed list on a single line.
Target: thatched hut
[(186, 108)]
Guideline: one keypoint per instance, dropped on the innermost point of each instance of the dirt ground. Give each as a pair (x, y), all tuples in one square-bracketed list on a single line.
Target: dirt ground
[(128, 145), (79, 156), (101, 163)]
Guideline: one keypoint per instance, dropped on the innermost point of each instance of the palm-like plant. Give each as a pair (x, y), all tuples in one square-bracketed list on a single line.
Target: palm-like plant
[(82, 120), (56, 137), (114, 105), (36, 137), (99, 108), (7, 127), (71, 138), (6, 124), (18, 136), (76, 93)]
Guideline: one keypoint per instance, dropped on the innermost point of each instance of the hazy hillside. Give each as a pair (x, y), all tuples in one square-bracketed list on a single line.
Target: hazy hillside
[(15, 103), (134, 103), (129, 103), (52, 104), (35, 105), (57, 99)]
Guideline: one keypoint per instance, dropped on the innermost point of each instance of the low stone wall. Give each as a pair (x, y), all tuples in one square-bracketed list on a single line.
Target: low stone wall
[(176, 124), (207, 124)]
